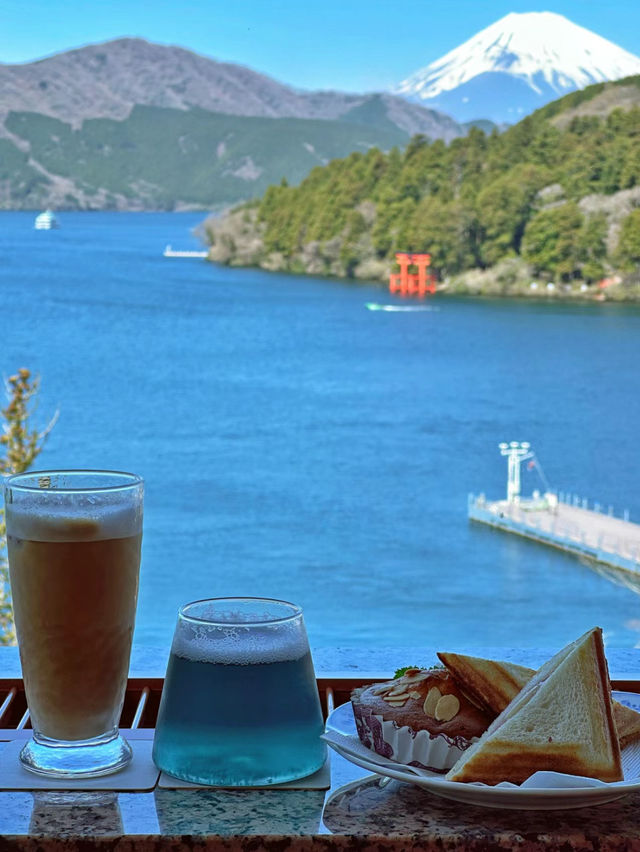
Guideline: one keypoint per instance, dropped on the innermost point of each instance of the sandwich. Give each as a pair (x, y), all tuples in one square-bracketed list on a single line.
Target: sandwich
[(562, 721), (494, 684)]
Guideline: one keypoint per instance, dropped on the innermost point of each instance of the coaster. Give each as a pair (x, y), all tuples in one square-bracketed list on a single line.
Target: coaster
[(140, 775), (320, 780)]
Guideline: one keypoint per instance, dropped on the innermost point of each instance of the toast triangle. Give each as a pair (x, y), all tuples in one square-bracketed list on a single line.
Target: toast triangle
[(627, 723), (561, 721), (492, 683), (495, 683)]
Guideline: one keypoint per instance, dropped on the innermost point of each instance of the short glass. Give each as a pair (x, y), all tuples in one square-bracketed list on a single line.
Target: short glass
[(240, 704), (74, 555)]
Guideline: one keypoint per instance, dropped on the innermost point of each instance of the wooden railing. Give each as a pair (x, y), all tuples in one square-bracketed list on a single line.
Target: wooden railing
[(142, 700)]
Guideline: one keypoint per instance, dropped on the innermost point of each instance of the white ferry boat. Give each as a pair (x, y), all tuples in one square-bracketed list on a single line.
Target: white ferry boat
[(46, 221), (170, 252)]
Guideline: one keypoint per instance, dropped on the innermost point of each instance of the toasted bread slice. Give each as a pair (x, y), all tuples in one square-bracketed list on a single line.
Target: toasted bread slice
[(494, 684), (561, 721), (627, 723)]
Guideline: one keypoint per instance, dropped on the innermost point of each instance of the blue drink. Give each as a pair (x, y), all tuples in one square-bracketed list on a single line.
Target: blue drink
[(240, 706)]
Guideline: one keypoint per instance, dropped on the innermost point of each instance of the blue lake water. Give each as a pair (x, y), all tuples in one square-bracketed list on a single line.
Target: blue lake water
[(296, 445)]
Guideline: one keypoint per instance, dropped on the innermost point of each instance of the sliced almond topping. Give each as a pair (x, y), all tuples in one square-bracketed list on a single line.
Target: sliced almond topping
[(415, 694), (446, 708), (402, 696), (380, 690), (412, 672), (433, 696)]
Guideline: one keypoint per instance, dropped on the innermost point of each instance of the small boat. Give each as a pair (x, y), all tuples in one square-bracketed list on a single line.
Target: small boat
[(170, 252), (46, 221), (374, 306)]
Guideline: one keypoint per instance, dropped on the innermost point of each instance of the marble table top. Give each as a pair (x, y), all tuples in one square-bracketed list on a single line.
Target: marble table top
[(355, 814), (359, 812)]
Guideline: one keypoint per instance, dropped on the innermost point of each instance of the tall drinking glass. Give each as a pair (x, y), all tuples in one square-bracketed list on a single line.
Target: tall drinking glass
[(74, 554), (240, 704)]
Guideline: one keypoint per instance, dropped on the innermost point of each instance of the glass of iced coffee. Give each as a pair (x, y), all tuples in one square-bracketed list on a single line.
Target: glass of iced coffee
[(240, 704), (73, 541)]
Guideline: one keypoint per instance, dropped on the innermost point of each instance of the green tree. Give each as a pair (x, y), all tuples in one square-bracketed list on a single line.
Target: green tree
[(628, 251), (630, 170), (447, 230), (504, 207), (349, 254), (390, 219), (551, 242), (593, 248), (20, 445)]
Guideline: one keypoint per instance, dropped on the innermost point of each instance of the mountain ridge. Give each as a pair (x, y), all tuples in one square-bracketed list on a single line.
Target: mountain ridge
[(106, 80), (133, 125)]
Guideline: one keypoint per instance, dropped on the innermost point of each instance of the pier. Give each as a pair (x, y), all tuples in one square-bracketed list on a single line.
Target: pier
[(561, 520)]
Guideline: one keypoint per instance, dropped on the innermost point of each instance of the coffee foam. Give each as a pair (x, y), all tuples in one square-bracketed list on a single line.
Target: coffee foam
[(235, 645), (80, 523)]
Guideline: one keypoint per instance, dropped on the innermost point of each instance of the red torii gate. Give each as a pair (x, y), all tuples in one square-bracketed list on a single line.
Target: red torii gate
[(412, 283)]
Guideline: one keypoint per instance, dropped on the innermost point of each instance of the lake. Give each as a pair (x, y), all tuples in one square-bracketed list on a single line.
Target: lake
[(297, 445)]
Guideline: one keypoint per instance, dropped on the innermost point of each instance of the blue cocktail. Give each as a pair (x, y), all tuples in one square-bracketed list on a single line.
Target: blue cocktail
[(240, 705)]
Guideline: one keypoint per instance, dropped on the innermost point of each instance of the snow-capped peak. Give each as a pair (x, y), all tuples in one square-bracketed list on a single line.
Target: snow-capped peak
[(536, 47)]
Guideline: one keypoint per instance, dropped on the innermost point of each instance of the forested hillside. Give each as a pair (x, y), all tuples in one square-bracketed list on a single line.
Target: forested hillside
[(159, 159), (132, 125), (541, 199)]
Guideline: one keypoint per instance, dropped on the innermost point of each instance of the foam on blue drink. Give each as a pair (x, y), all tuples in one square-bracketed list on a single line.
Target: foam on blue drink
[(238, 644)]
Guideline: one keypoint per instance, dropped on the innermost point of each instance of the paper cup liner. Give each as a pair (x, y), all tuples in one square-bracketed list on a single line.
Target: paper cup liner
[(436, 752)]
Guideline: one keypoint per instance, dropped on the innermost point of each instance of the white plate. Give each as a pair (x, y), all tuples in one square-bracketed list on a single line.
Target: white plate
[(512, 797), (341, 720)]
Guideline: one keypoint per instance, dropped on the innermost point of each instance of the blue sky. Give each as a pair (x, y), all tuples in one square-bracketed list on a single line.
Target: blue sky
[(352, 45)]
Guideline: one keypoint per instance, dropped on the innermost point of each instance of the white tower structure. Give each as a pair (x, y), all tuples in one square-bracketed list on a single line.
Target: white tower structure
[(516, 452)]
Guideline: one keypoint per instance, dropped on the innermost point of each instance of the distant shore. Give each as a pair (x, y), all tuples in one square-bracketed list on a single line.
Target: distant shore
[(480, 284), (237, 240)]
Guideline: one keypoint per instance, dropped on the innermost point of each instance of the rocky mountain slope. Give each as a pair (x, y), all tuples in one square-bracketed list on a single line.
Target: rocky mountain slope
[(108, 80), (133, 125), (515, 66)]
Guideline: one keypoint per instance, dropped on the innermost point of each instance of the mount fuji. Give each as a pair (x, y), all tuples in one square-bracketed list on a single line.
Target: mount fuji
[(516, 65)]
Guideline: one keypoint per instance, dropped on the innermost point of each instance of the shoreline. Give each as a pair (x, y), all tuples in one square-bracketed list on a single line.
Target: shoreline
[(236, 241), (618, 293), (612, 295)]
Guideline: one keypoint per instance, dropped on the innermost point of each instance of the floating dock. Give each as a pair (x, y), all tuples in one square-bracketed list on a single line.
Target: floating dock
[(561, 520), (169, 252)]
